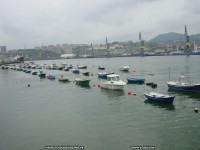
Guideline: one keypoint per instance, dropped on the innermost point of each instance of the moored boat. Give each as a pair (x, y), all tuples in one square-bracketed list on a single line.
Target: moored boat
[(76, 71), (113, 83), (101, 68), (70, 66), (42, 74), (34, 73), (28, 71), (184, 86), (135, 80), (51, 76), (86, 73), (63, 78), (82, 81), (82, 67), (124, 68), (65, 69), (159, 97), (153, 85)]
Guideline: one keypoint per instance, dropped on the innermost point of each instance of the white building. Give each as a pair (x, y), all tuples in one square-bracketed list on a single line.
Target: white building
[(65, 56)]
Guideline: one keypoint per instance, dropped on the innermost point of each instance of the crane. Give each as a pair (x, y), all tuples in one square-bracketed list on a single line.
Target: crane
[(187, 40), (141, 44)]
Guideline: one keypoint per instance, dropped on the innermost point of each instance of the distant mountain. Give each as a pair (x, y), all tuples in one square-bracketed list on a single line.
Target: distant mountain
[(174, 38)]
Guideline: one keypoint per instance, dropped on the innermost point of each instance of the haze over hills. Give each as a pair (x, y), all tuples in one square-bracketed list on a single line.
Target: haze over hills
[(172, 37)]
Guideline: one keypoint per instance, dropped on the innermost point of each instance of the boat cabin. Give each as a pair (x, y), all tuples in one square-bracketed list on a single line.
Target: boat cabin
[(113, 77)]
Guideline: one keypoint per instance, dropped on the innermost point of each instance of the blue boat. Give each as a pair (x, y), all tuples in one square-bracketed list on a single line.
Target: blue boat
[(183, 86), (76, 71), (136, 80), (159, 97), (103, 75)]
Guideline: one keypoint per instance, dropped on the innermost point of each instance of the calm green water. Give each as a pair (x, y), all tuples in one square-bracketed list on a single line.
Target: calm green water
[(51, 113)]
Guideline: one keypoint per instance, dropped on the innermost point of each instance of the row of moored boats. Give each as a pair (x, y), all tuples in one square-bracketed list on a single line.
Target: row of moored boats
[(113, 81)]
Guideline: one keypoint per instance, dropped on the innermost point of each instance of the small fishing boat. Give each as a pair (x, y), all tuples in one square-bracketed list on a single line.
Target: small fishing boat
[(113, 82), (5, 67), (101, 68), (81, 81), (76, 71), (153, 85), (51, 76), (70, 66), (184, 86), (103, 75), (19, 69), (124, 68), (63, 78), (34, 73), (159, 97), (65, 69), (82, 67), (135, 80), (60, 67), (179, 85), (28, 71), (53, 67), (42, 74), (86, 73)]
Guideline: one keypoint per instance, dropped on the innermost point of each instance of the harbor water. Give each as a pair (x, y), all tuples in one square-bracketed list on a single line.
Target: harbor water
[(51, 113)]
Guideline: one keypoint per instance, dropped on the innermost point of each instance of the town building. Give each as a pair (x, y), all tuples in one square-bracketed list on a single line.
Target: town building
[(3, 50)]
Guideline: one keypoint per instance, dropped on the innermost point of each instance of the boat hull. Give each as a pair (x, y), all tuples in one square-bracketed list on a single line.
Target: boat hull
[(51, 77), (82, 67), (160, 99), (34, 73), (101, 68), (63, 79), (42, 75), (112, 86), (135, 80), (86, 73), (184, 87), (124, 68), (82, 82), (76, 71)]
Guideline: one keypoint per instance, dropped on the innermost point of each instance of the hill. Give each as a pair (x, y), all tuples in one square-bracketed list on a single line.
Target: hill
[(174, 38)]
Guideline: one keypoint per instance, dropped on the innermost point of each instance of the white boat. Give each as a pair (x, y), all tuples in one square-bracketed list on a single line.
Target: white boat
[(113, 83), (124, 68), (63, 78)]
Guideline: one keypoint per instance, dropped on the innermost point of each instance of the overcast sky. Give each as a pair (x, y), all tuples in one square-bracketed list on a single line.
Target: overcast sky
[(33, 22)]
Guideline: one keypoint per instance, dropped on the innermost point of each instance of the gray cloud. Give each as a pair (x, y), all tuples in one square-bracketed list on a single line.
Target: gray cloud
[(33, 22)]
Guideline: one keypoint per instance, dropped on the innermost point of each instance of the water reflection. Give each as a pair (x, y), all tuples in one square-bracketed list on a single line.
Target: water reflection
[(112, 94), (84, 86), (167, 106), (190, 94)]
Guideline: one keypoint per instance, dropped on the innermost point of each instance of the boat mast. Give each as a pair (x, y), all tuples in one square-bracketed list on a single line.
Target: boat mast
[(169, 74)]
